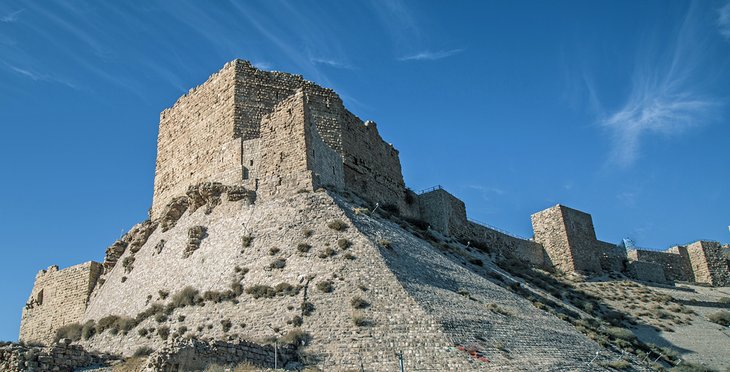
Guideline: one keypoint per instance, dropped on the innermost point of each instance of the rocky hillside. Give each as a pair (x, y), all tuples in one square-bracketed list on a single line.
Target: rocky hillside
[(348, 286)]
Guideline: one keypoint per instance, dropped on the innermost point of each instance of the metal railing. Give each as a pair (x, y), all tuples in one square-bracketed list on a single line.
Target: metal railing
[(433, 188), (497, 229)]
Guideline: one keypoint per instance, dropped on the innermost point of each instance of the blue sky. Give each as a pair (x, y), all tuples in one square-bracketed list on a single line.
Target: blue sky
[(616, 108)]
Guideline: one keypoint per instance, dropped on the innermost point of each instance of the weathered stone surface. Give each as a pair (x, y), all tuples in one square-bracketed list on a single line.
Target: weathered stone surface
[(61, 356)]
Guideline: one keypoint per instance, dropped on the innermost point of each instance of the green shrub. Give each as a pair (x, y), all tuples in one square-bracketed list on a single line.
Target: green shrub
[(325, 286), (296, 337), (163, 332), (154, 309), (303, 247), (307, 308), (105, 323), (226, 324), (620, 333), (328, 252), (344, 243), (188, 296), (142, 332), (360, 320), (143, 351), (71, 331), (307, 233), (358, 303), (337, 225), (258, 291), (278, 264), (160, 318), (721, 317), (88, 330)]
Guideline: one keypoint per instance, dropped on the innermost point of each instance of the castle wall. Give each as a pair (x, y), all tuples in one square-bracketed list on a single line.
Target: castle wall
[(196, 141), (58, 298), (708, 263), (293, 155), (612, 257), (443, 211), (568, 238), (646, 271), (675, 264)]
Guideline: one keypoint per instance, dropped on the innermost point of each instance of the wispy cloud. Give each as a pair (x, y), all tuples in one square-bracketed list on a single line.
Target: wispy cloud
[(11, 17), (667, 96), (332, 63), (723, 21), (428, 55), (261, 65), (37, 76)]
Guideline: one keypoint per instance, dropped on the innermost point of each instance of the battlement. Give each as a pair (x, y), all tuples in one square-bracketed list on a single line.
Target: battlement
[(228, 130)]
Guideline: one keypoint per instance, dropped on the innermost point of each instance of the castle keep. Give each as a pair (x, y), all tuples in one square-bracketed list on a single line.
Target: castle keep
[(252, 163)]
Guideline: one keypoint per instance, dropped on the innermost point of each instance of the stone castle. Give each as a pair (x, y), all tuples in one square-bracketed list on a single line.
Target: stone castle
[(234, 157)]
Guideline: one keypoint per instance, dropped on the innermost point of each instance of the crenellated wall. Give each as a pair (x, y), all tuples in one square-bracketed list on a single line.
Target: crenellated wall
[(58, 298)]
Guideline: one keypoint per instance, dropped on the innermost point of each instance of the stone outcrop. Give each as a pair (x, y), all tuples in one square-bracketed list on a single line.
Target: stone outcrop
[(61, 356)]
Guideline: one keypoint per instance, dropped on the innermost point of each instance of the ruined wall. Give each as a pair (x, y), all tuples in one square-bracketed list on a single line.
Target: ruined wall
[(675, 264), (612, 257), (196, 141), (568, 238), (646, 271), (708, 263), (443, 211), (446, 214), (58, 298)]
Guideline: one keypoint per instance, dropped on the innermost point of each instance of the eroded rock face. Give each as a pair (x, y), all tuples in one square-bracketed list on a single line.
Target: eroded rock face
[(140, 233), (206, 194), (196, 234), (173, 211), (114, 252), (236, 193)]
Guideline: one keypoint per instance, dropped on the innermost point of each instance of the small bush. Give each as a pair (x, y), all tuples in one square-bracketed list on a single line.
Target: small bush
[(71, 331), (259, 291), (303, 247), (278, 264), (344, 243), (721, 317), (307, 308), (273, 251), (160, 318), (188, 296), (385, 243), (297, 321), (620, 333), (226, 324), (246, 241), (476, 261), (358, 303), (163, 332), (337, 225), (286, 289), (307, 233), (617, 364), (142, 332), (360, 320), (163, 294), (143, 351), (350, 256), (325, 286), (296, 337), (88, 330), (498, 310), (328, 252)]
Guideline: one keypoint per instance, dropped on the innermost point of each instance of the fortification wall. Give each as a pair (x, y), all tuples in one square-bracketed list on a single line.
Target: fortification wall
[(58, 298), (675, 265), (611, 256), (443, 211), (196, 141), (293, 155), (568, 238), (646, 271), (708, 263)]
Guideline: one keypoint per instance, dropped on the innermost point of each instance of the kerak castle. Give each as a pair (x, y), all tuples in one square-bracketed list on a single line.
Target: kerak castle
[(277, 214)]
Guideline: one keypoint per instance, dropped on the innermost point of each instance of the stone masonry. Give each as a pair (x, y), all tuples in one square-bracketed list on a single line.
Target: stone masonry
[(265, 180), (58, 298)]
